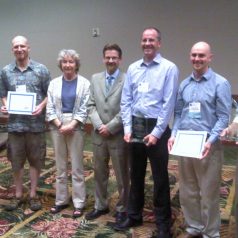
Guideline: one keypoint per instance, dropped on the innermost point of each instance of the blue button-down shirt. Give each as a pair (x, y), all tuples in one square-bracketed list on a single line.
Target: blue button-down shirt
[(213, 92), (156, 100)]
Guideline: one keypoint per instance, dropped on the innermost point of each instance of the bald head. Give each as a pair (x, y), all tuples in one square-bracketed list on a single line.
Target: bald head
[(21, 49), (200, 57), (202, 45), (20, 39)]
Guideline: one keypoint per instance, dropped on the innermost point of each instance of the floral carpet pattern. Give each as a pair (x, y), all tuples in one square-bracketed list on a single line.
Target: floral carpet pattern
[(42, 224)]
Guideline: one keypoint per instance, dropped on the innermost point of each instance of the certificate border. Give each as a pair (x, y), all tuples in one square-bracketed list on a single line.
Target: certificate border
[(203, 135), (11, 94)]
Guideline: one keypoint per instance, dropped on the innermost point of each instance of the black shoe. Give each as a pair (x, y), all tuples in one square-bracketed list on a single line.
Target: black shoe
[(14, 204), (96, 213), (164, 234), (120, 217), (128, 223)]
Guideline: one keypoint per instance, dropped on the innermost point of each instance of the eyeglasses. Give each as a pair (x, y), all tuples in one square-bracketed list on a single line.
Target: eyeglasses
[(111, 58)]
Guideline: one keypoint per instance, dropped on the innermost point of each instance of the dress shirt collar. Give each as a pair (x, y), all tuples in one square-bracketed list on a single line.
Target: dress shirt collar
[(114, 75), (30, 65), (156, 60), (205, 76)]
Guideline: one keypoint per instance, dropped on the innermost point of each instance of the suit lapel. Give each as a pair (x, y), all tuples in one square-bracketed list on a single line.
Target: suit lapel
[(101, 84), (115, 85)]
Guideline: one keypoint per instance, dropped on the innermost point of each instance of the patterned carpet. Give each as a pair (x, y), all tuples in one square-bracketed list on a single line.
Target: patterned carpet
[(25, 223)]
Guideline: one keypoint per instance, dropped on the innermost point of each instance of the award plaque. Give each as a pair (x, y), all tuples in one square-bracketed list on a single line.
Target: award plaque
[(229, 140), (231, 135), (139, 129)]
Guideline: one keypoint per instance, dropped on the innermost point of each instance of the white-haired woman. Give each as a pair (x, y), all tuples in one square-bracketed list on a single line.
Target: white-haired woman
[(67, 113)]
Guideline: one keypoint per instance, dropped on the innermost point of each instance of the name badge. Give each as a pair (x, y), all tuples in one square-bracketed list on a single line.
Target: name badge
[(21, 88), (143, 87), (195, 110)]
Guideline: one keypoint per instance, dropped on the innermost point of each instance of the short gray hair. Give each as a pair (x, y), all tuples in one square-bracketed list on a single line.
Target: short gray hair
[(71, 53)]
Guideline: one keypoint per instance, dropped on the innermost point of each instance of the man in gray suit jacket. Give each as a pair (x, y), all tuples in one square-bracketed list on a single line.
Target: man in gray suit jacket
[(107, 136)]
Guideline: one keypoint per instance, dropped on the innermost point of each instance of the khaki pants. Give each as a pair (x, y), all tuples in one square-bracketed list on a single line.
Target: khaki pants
[(66, 146), (200, 192), (118, 154)]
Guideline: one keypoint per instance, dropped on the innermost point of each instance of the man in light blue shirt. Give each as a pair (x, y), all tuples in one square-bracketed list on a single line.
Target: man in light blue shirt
[(147, 103), (203, 104)]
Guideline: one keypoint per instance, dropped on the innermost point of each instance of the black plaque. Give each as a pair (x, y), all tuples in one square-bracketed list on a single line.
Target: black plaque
[(139, 129)]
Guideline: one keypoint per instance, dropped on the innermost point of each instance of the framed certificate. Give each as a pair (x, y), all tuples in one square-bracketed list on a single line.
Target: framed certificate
[(189, 143), (21, 103)]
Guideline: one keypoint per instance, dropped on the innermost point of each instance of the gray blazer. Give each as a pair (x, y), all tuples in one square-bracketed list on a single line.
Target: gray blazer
[(105, 108)]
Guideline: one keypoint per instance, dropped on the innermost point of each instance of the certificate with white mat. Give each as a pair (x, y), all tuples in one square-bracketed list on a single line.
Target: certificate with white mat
[(21, 103), (189, 143)]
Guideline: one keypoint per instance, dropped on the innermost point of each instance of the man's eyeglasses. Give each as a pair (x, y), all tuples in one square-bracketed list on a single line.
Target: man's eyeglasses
[(111, 58)]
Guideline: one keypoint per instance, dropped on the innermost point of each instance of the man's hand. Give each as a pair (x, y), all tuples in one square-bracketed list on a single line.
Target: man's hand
[(103, 131), (231, 130), (206, 150), (150, 140), (127, 137), (4, 110), (38, 110), (171, 143)]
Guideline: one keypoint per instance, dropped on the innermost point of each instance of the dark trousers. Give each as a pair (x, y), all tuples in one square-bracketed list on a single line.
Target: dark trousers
[(158, 156)]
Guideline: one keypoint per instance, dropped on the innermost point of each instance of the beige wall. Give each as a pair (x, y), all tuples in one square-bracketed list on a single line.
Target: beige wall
[(52, 25)]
